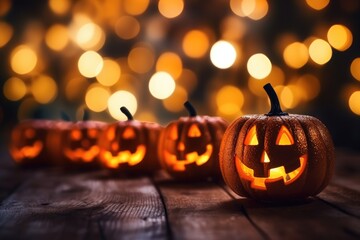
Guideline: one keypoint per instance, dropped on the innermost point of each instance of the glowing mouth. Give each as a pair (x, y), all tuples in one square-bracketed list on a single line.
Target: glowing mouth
[(27, 151), (193, 157), (81, 154), (113, 161), (275, 174)]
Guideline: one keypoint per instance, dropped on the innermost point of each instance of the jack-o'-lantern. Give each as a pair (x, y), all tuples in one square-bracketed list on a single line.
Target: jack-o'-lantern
[(29, 143), (277, 156), (189, 147), (79, 147), (130, 146)]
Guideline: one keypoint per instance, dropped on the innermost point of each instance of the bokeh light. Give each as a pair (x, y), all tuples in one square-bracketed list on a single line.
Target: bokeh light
[(171, 63), (259, 66), (44, 89), (320, 51), (223, 54), (161, 85), (96, 98), (14, 89), (229, 100), (354, 102), (195, 43), (296, 55), (90, 64), (135, 7), (90, 36), (119, 99), (59, 7), (127, 27), (254, 9), (339, 37), (170, 8), (175, 103), (141, 59), (317, 4), (6, 33), (57, 37), (355, 68), (23, 59), (110, 72)]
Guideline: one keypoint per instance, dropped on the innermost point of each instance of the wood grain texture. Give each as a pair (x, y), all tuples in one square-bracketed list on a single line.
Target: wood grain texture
[(204, 210), (54, 205)]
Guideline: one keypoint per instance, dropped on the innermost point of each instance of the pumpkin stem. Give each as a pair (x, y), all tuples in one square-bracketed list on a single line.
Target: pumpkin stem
[(274, 102), (65, 116), (125, 111), (190, 108)]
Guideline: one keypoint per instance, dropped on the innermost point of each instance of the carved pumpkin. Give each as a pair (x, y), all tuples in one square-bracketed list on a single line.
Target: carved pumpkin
[(189, 147), (79, 147), (276, 156), (130, 146), (29, 143)]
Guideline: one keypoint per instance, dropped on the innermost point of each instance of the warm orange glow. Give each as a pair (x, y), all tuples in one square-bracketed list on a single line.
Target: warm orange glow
[(161, 85), (6, 33), (80, 154), (110, 73), (125, 156), (127, 27), (28, 151), (14, 89), (170, 8), (317, 4), (175, 102), (195, 43), (141, 59), (274, 174), (129, 133), (284, 137), (23, 59), (44, 89), (339, 37), (251, 137), (90, 36), (265, 158), (135, 7), (90, 64), (190, 158), (320, 51), (96, 97), (119, 99), (296, 55), (194, 131), (57, 37), (229, 100), (223, 54), (59, 7), (354, 102), (171, 63), (355, 68)]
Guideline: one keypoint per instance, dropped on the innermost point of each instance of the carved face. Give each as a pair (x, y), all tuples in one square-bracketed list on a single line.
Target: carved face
[(81, 142), (270, 156), (126, 146), (188, 146)]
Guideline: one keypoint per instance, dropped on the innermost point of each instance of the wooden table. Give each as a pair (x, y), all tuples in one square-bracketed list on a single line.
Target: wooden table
[(55, 204)]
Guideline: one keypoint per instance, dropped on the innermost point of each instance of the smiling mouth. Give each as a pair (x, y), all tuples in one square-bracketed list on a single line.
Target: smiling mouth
[(192, 157), (113, 161), (275, 174), (81, 154), (27, 151)]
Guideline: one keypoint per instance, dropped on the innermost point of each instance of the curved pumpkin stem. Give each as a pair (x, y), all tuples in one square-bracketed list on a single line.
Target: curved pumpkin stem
[(190, 108), (125, 111), (274, 101)]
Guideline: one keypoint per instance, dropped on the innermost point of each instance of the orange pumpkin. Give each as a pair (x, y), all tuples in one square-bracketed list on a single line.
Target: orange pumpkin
[(130, 146), (277, 156), (189, 147), (31, 143)]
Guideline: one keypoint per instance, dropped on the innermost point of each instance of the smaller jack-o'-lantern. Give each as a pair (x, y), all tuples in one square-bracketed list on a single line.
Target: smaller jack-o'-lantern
[(276, 156), (79, 147), (130, 146), (29, 143), (189, 147)]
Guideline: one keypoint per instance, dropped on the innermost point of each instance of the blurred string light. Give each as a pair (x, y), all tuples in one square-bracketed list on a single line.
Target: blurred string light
[(354, 102), (118, 48)]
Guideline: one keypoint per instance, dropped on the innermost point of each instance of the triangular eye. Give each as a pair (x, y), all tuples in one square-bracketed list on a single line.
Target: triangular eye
[(173, 134), (129, 133), (251, 138), (111, 133), (284, 137), (194, 131), (76, 134)]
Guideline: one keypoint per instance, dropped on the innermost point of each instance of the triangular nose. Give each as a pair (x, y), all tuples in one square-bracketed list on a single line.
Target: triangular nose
[(265, 158)]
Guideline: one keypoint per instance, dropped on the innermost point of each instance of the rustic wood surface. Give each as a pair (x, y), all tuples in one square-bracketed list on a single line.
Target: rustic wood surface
[(58, 204)]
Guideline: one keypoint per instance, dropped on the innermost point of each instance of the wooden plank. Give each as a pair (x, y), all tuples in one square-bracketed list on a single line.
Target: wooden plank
[(204, 210), (309, 219), (53, 205)]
